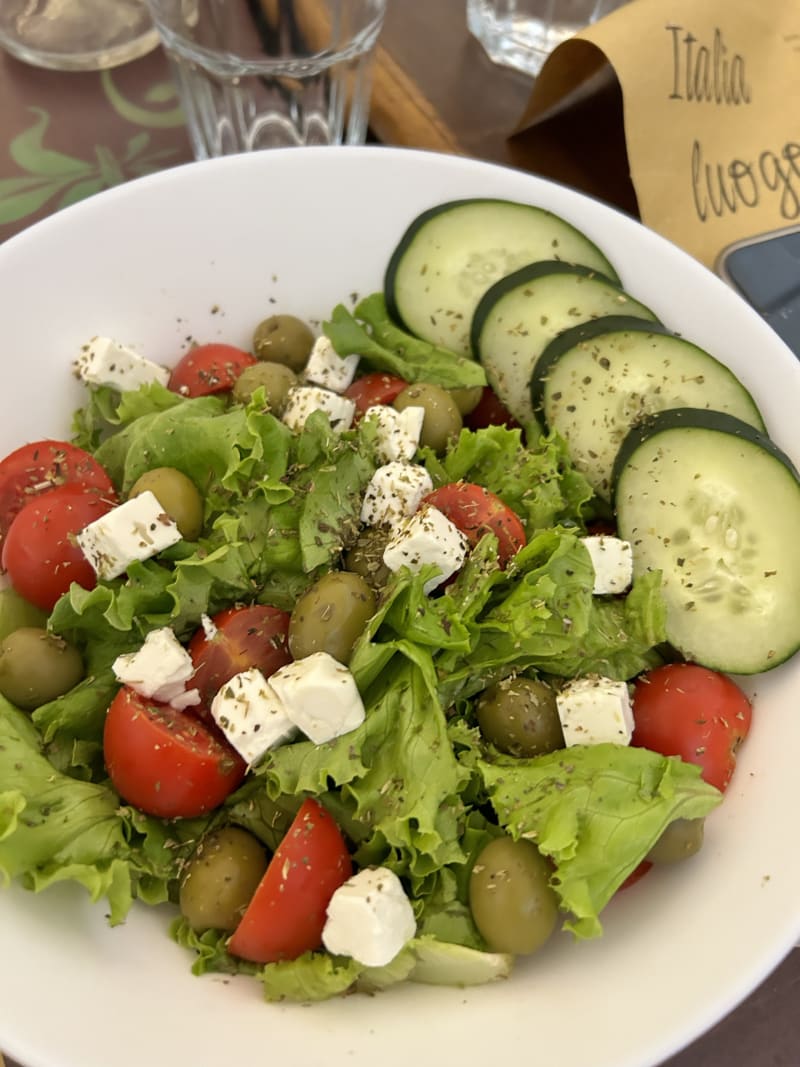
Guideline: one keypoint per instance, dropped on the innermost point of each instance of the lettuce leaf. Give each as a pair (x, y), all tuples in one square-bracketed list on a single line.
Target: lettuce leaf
[(596, 811)]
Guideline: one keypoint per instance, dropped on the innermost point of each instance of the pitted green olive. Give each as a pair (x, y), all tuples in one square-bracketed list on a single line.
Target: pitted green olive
[(37, 666), (15, 612), (681, 839), (510, 897), (331, 615), (275, 379), (467, 398), (519, 716), (283, 339), (177, 495), (365, 557), (221, 878), (442, 419)]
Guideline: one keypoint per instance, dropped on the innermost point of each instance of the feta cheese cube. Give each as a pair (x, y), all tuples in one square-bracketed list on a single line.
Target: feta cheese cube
[(327, 368), (594, 710), (159, 670), (612, 560), (320, 696), (398, 431), (427, 537), (136, 530), (105, 362), (369, 918), (394, 492), (304, 400), (251, 715)]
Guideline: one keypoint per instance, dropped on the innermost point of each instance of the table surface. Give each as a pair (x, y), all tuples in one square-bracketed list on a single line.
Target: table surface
[(435, 89)]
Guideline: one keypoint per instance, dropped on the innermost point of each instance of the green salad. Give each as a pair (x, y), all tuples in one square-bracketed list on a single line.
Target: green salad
[(419, 790)]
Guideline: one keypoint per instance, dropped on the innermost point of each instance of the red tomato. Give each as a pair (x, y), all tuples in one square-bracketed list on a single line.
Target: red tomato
[(163, 761), (476, 511), (209, 369), (39, 551), (692, 712), (374, 388), (42, 466), (489, 411), (287, 913), (636, 875), (245, 637)]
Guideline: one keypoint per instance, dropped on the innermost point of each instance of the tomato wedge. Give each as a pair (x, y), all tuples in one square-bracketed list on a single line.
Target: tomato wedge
[(476, 511), (209, 369), (685, 710), (377, 387), (39, 550), (44, 465), (244, 637), (490, 411), (165, 762), (286, 916)]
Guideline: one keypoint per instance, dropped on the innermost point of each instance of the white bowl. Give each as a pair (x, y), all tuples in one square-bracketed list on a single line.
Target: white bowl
[(203, 251)]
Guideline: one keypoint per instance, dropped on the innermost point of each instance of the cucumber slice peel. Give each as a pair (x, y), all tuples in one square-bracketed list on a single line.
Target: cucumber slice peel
[(595, 380), (453, 252), (714, 505)]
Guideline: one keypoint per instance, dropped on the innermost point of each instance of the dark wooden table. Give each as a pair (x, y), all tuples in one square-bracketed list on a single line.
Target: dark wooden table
[(64, 137)]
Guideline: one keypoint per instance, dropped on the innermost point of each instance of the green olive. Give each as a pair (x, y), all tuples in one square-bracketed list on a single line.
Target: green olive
[(519, 716), (275, 379), (37, 666), (467, 398), (681, 839), (510, 897), (442, 418), (365, 557), (221, 878), (177, 495), (15, 612), (283, 339), (331, 615)]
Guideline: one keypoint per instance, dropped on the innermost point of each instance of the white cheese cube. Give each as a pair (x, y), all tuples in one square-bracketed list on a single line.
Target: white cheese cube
[(398, 431), (327, 368), (105, 362), (612, 560), (136, 530), (595, 710), (251, 715), (369, 918), (304, 400), (394, 492), (427, 537), (320, 696), (159, 670)]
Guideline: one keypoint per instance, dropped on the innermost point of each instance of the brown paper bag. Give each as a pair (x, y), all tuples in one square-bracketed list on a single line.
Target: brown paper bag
[(706, 99)]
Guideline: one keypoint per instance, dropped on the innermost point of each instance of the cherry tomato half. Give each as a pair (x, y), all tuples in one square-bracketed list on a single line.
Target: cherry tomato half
[(286, 916), (490, 411), (39, 551), (476, 511), (165, 762), (374, 388), (44, 465), (209, 369), (245, 637), (692, 712)]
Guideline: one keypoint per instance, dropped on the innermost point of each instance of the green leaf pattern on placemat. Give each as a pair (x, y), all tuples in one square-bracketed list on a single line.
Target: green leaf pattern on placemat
[(49, 175)]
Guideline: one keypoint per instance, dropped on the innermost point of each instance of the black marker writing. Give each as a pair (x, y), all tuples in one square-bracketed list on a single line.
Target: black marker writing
[(705, 74), (719, 189)]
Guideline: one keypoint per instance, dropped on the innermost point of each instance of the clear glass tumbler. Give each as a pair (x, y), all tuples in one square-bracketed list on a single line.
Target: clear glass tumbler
[(258, 74), (76, 34), (523, 33)]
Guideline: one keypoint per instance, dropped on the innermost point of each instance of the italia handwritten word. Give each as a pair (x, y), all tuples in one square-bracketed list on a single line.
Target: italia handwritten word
[(706, 73)]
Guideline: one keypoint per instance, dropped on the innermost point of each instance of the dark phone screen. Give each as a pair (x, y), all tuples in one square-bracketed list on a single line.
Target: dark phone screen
[(768, 275)]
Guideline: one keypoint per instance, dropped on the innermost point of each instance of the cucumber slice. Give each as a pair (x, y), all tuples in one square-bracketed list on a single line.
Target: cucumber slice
[(450, 255), (715, 506), (594, 381), (521, 314)]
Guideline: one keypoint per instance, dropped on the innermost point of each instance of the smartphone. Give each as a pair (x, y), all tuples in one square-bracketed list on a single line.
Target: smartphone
[(766, 272)]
